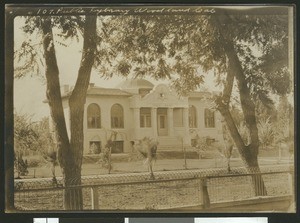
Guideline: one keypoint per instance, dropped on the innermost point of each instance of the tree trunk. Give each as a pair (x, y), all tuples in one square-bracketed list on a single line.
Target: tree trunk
[(72, 195), (76, 103), (54, 100), (109, 161), (151, 170), (249, 152), (69, 152)]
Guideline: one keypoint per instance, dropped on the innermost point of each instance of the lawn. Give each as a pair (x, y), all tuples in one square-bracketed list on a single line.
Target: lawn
[(122, 164)]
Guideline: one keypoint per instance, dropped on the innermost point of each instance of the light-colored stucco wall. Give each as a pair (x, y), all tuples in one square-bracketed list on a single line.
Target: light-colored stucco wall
[(201, 130), (105, 103), (132, 130)]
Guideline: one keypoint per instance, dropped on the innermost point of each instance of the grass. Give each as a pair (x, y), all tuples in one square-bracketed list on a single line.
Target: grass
[(155, 196), (94, 168)]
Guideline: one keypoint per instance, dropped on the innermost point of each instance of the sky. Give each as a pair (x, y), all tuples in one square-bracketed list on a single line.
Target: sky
[(30, 92)]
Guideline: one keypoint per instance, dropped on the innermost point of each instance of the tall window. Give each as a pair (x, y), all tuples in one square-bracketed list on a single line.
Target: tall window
[(192, 117), (178, 117), (95, 147), (93, 116), (118, 147), (117, 116), (145, 117), (209, 116)]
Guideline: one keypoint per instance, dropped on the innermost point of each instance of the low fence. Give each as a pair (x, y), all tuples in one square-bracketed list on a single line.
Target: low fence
[(162, 194)]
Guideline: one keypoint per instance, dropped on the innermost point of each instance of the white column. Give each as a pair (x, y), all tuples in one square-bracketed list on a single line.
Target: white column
[(186, 125), (170, 122), (154, 121), (186, 119), (136, 120)]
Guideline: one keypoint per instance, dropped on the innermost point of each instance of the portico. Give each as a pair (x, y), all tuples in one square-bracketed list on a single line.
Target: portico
[(161, 114)]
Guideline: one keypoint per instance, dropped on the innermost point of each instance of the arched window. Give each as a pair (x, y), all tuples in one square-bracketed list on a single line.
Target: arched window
[(192, 117), (117, 116), (209, 118), (93, 116)]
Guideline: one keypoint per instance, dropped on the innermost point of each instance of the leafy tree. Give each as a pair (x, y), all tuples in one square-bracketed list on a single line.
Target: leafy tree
[(237, 45), (200, 145), (228, 145), (51, 157), (21, 165), (69, 149), (105, 157), (284, 121), (25, 139), (147, 147), (266, 132), (243, 67), (33, 136), (25, 135)]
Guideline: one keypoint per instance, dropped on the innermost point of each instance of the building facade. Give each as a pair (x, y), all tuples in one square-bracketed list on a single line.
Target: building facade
[(136, 109)]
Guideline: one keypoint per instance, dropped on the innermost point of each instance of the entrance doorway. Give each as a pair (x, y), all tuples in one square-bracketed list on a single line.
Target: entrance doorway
[(162, 123)]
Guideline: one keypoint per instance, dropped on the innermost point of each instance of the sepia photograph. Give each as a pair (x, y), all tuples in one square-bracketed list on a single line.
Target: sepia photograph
[(150, 108)]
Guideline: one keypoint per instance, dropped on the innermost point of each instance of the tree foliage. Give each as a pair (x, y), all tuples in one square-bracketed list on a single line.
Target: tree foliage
[(237, 46), (25, 135), (32, 135)]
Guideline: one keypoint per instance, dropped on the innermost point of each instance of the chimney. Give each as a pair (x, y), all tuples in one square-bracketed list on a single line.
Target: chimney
[(65, 88)]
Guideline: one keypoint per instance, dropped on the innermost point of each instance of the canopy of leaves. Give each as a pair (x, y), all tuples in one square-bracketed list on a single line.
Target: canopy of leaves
[(25, 135), (29, 56), (35, 136), (151, 45), (178, 46)]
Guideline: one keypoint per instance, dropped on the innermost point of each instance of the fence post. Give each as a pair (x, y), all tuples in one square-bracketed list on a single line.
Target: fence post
[(204, 193), (94, 198)]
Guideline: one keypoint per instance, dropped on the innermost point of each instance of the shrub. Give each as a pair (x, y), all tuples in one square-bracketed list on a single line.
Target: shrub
[(201, 145), (21, 166), (34, 161), (266, 132)]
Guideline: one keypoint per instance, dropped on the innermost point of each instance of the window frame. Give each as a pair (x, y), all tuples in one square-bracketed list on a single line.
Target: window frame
[(96, 119), (117, 120), (145, 118), (193, 117), (209, 118), (116, 144)]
